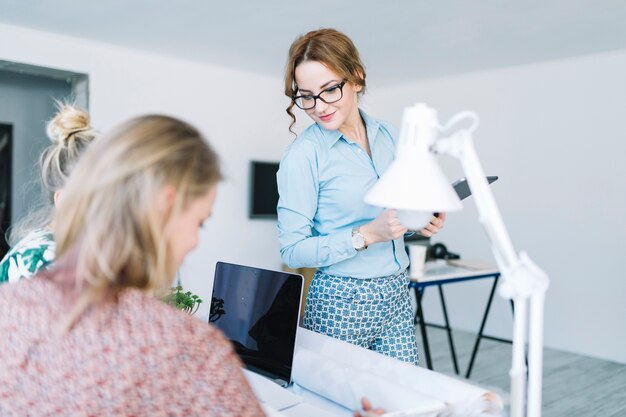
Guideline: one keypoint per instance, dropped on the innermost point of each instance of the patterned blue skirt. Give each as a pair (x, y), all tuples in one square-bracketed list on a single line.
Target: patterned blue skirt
[(374, 313)]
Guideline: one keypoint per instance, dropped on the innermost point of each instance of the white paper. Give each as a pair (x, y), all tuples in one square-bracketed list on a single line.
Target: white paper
[(344, 373)]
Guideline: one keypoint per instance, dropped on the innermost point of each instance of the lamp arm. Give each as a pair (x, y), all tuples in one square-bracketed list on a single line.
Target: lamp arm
[(461, 146), (523, 281)]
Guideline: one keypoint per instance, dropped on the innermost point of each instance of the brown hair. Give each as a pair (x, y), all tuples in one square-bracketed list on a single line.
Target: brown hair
[(330, 48), (108, 224)]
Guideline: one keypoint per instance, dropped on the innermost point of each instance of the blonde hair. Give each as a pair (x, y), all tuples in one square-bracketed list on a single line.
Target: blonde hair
[(329, 47), (70, 132), (109, 225)]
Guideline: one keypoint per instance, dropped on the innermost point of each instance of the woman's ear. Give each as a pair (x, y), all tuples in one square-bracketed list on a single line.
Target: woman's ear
[(358, 87), (57, 198), (165, 199)]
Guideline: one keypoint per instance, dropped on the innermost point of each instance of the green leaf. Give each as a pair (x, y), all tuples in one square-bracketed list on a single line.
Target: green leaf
[(185, 301)]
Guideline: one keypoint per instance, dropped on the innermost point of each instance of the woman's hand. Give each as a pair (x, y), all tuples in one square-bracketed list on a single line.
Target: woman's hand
[(435, 225), (368, 410), (383, 228)]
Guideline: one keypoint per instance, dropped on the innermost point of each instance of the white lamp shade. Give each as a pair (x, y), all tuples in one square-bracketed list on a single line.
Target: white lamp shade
[(413, 183), (414, 220)]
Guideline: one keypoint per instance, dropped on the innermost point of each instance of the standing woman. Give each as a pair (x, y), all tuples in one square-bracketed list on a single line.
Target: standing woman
[(33, 246), (360, 290)]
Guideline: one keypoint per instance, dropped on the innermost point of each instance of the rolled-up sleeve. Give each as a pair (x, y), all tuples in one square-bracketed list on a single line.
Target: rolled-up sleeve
[(298, 188)]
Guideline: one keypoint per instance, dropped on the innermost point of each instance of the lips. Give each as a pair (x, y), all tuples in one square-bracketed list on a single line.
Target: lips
[(327, 117)]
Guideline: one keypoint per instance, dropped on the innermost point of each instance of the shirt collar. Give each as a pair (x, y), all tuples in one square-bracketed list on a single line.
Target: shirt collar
[(371, 126)]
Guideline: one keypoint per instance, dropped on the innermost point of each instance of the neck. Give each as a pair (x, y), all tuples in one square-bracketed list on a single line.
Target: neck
[(354, 128)]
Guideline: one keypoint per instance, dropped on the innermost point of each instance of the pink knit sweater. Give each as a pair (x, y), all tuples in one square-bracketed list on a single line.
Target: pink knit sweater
[(137, 357)]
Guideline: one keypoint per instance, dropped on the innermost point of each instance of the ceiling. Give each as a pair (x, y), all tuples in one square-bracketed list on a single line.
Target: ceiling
[(399, 40)]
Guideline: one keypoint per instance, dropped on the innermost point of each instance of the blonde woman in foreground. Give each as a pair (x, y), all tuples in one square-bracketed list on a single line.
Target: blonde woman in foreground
[(87, 336), (33, 245)]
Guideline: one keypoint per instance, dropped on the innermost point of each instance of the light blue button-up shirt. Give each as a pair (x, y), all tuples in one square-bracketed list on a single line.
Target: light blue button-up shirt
[(322, 180)]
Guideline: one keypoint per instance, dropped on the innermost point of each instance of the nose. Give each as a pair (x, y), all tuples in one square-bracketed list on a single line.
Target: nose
[(320, 106)]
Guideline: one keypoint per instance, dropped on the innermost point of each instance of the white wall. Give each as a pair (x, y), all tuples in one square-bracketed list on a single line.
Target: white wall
[(241, 114), (554, 132)]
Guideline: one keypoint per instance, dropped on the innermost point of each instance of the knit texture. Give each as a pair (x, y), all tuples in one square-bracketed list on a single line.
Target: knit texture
[(134, 357)]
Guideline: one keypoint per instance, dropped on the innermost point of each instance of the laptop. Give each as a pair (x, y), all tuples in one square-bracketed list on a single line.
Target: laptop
[(259, 311)]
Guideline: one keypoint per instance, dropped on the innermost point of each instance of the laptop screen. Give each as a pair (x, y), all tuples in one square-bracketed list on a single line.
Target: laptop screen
[(258, 310)]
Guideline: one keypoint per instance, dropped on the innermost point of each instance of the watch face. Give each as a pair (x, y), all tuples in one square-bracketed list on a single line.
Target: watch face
[(358, 241)]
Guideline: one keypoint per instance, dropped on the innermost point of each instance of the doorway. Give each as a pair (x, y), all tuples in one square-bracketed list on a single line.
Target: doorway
[(27, 95), (6, 142)]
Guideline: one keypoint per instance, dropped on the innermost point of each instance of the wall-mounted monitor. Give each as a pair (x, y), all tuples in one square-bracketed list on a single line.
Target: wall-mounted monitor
[(263, 190)]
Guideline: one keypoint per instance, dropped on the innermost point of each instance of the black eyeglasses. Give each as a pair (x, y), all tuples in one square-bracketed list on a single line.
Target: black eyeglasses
[(328, 96)]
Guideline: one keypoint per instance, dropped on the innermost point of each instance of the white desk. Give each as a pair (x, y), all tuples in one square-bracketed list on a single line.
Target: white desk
[(439, 273)]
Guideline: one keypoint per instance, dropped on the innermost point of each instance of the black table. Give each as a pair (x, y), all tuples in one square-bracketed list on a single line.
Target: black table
[(440, 273)]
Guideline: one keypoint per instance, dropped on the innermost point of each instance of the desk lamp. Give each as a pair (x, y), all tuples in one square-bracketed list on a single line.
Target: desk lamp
[(415, 185)]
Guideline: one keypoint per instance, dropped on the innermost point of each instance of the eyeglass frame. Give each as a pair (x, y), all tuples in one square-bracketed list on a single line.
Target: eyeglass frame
[(318, 96)]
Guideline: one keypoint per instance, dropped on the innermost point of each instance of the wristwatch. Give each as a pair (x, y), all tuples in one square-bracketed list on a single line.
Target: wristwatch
[(358, 240)]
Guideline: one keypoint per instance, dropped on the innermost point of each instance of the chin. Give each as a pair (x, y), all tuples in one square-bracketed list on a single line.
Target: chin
[(331, 125), (178, 261)]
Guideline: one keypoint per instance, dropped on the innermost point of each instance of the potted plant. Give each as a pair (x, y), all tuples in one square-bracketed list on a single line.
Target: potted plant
[(185, 301)]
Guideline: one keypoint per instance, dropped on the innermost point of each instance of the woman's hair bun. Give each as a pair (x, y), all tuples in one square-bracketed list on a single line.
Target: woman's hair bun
[(68, 121)]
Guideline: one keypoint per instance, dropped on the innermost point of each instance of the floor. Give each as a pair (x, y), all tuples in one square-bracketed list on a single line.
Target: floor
[(573, 385)]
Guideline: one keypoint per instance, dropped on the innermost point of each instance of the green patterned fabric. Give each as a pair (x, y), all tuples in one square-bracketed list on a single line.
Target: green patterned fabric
[(32, 253)]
